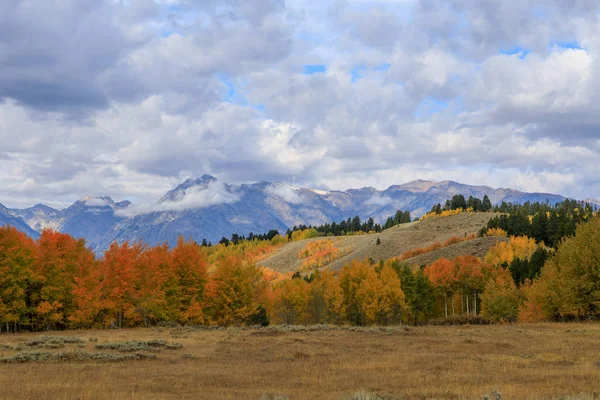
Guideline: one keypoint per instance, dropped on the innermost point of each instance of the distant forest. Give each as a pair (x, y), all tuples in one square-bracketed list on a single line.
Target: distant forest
[(347, 227), (544, 222)]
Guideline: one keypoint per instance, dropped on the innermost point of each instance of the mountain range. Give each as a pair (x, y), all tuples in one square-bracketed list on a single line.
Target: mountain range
[(206, 208)]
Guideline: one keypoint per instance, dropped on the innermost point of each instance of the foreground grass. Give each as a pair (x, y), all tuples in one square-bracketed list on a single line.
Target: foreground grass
[(456, 362)]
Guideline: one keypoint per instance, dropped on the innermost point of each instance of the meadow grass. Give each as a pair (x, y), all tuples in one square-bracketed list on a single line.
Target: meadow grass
[(541, 361)]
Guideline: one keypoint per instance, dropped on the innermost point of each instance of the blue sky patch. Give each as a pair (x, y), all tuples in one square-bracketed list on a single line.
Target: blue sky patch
[(521, 51), (230, 95), (573, 44), (383, 67), (314, 69), (357, 72)]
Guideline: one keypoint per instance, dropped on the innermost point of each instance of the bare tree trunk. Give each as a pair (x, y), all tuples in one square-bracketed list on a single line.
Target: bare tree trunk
[(453, 314), (446, 305), (462, 303), (467, 305), (475, 303)]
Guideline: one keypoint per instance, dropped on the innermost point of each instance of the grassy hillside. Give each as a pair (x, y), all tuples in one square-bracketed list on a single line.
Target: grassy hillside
[(393, 242), (478, 247)]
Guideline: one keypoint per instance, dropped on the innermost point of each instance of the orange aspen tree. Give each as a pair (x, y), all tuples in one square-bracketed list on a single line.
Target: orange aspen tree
[(189, 266), (16, 270), (442, 276)]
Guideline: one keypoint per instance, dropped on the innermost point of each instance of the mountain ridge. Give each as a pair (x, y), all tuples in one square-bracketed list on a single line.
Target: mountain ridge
[(206, 208)]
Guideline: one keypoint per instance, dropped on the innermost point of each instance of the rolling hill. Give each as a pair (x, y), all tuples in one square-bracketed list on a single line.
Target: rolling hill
[(395, 241)]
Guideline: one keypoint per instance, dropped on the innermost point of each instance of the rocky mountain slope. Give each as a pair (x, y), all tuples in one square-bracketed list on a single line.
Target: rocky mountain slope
[(8, 218), (205, 208)]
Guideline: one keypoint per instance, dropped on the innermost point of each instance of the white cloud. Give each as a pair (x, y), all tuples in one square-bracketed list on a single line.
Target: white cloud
[(379, 200), (95, 202), (412, 89), (287, 193), (212, 194)]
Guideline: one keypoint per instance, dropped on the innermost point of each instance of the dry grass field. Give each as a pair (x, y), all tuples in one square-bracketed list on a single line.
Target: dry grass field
[(394, 241), (462, 362)]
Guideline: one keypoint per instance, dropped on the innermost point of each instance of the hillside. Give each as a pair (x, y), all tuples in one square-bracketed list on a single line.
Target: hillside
[(394, 242), (478, 247)]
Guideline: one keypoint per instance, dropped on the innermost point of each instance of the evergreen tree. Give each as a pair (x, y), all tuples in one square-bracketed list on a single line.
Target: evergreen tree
[(486, 204), (458, 201)]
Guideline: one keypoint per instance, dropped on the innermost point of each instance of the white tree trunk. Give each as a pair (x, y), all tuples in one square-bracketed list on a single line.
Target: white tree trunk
[(445, 306)]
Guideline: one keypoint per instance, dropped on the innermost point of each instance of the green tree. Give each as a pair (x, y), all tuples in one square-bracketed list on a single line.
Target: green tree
[(569, 285), (458, 201), (419, 293), (500, 299), (486, 204)]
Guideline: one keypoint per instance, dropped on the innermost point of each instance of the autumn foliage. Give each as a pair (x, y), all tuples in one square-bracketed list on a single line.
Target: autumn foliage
[(463, 275), (569, 285), (56, 282), (444, 213), (496, 232), (435, 246), (317, 254), (517, 247)]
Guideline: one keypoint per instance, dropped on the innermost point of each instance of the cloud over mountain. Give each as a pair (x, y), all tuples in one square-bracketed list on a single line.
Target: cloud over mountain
[(194, 197), (205, 208), (126, 98)]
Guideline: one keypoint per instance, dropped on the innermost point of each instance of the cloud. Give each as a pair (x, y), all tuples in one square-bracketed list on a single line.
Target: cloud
[(96, 202), (150, 91), (214, 193), (287, 193), (379, 200)]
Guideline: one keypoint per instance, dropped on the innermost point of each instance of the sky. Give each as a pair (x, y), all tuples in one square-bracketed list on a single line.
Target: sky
[(127, 98)]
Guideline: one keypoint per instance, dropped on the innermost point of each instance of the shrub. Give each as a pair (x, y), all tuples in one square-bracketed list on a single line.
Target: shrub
[(362, 395), (131, 346), (52, 342), (73, 356), (460, 320)]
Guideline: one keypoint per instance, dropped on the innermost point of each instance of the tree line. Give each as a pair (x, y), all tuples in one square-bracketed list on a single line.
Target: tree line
[(546, 223), (352, 225), (343, 228), (56, 282), (458, 202)]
